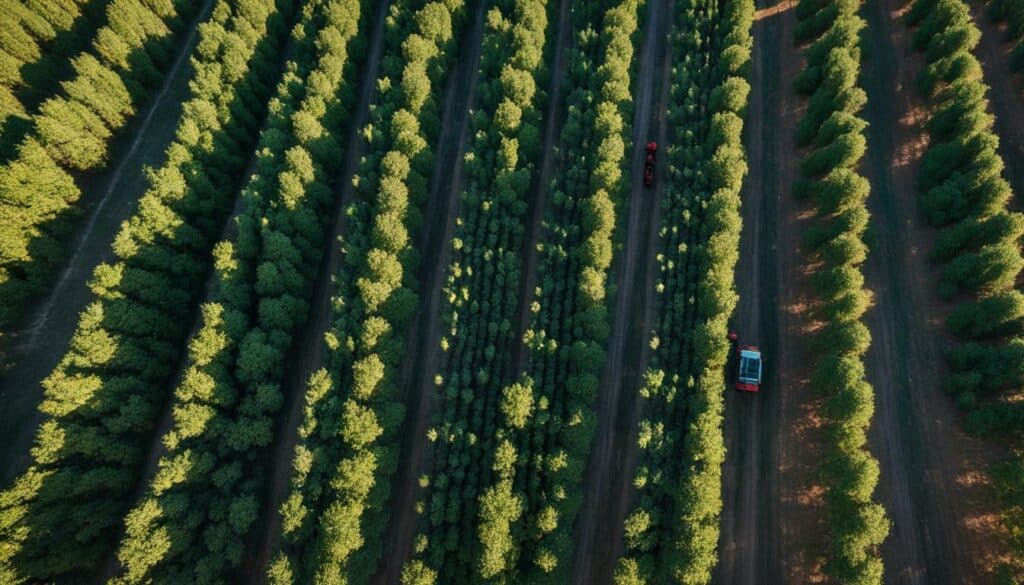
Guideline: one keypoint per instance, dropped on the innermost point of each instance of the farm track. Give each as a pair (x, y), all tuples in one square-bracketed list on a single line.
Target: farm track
[(422, 356), (607, 487), (31, 353), (773, 523), (933, 482), (554, 117), (1006, 98), (308, 349)]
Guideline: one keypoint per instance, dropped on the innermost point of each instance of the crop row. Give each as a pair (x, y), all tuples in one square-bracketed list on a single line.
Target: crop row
[(672, 533), (70, 137), (191, 524), (334, 516), (481, 289), (1011, 12), (833, 132), (544, 435), (37, 41), (103, 400)]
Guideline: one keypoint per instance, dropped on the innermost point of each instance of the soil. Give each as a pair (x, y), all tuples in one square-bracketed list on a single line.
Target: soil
[(423, 354), (933, 477), (607, 487), (308, 349), (773, 524), (108, 199)]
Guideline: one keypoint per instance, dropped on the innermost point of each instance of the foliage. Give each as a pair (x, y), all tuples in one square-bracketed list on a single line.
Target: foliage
[(481, 291), (205, 495), (335, 513), (102, 401), (672, 533), (832, 127), (71, 136)]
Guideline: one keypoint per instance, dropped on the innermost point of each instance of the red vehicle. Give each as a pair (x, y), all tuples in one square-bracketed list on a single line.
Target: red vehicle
[(749, 369), (652, 147)]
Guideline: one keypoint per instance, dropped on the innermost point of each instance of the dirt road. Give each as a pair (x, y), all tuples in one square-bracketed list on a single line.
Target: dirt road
[(108, 200), (608, 478), (933, 480), (772, 528), (309, 343), (423, 351)]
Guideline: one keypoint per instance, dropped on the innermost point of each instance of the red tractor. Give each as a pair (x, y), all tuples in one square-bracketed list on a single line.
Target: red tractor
[(652, 147), (749, 370)]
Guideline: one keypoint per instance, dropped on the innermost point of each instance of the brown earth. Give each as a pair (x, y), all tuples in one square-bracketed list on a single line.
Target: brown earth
[(773, 524), (30, 354), (933, 477), (607, 487), (423, 351), (308, 350)]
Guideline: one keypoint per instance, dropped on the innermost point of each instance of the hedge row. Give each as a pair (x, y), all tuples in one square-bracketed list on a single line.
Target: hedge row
[(482, 291), (37, 41), (191, 524), (1011, 12), (335, 514), (545, 434), (963, 192), (104, 398), (834, 131), (672, 533), (71, 137)]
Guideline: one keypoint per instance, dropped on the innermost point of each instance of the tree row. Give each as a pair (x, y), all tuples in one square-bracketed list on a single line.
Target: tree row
[(192, 522), (63, 516), (69, 136), (672, 532), (482, 294), (334, 516), (545, 429), (833, 132)]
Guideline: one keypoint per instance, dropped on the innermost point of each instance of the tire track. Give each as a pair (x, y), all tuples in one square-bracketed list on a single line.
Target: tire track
[(608, 477), (423, 355)]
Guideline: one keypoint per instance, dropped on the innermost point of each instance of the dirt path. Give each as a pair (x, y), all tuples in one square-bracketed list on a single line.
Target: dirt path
[(1006, 100), (555, 116), (772, 528), (933, 479), (608, 477), (423, 350), (34, 351), (308, 349)]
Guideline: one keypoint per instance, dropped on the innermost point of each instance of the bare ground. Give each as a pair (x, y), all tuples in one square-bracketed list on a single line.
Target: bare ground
[(773, 525), (309, 346), (607, 487), (423, 353), (933, 476), (107, 201)]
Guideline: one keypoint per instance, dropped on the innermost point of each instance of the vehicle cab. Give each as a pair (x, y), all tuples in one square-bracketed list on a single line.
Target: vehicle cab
[(748, 377)]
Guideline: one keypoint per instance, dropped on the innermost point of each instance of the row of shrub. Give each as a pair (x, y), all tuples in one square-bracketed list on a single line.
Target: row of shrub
[(37, 40), (482, 294), (962, 191), (334, 516), (1011, 12), (191, 525), (102, 402), (545, 431), (71, 137), (672, 533), (964, 194), (833, 132)]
